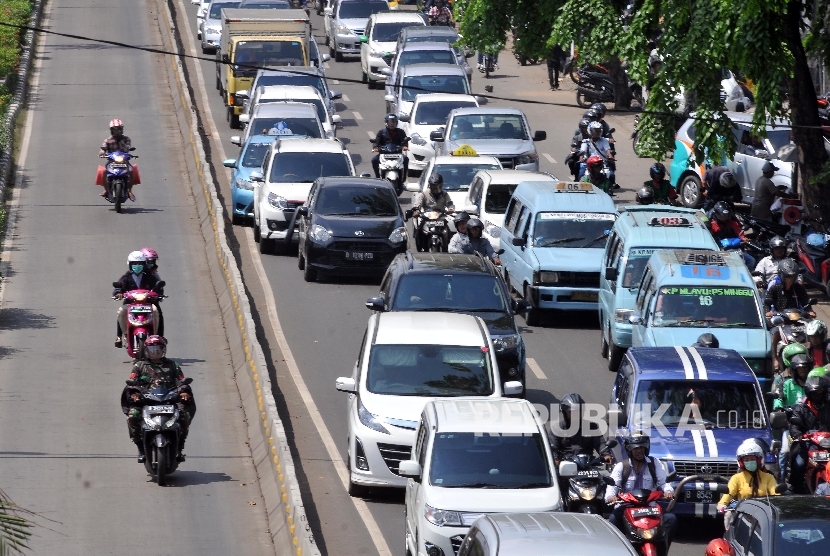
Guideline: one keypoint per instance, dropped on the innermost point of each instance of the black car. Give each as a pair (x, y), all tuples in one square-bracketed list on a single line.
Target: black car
[(781, 525), (459, 283), (349, 226)]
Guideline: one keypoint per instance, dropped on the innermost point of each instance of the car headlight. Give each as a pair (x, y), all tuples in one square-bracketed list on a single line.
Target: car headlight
[(369, 420), (375, 54), (502, 343), (277, 201), (527, 158), (398, 235), (621, 315), (244, 184), (545, 277), (319, 234), (344, 30), (442, 518)]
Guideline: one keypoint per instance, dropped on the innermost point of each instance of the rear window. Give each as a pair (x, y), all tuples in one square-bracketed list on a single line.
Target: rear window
[(426, 57), (306, 127), (464, 293), (415, 85), (298, 167), (321, 110), (216, 8), (274, 53), (300, 79), (388, 32), (435, 113)]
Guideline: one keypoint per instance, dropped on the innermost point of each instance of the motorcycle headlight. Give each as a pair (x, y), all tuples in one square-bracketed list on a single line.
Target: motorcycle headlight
[(244, 184), (442, 518), (170, 422), (277, 201), (398, 235), (646, 534), (344, 30), (588, 493), (154, 421), (118, 158), (369, 420), (319, 234), (135, 321), (502, 343), (527, 158)]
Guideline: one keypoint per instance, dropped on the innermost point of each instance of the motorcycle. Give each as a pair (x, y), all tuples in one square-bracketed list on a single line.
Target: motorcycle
[(586, 492), (643, 520), (818, 454), (791, 325), (116, 175), (391, 164), (813, 256), (487, 65), (160, 429), (434, 230), (141, 317), (596, 86)]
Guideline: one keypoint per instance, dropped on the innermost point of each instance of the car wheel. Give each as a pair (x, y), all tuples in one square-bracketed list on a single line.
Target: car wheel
[(205, 50), (369, 82), (615, 355), (363, 77), (300, 260), (328, 41), (690, 191), (310, 275), (532, 314), (603, 346), (266, 246), (218, 83), (237, 220)]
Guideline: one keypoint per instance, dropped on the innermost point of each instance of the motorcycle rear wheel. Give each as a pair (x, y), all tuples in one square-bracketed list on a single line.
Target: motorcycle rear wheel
[(582, 100), (161, 465), (140, 351), (118, 192)]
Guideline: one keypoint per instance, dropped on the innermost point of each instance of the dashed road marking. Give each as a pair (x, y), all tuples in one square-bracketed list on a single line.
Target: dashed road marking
[(549, 157), (370, 134), (335, 82), (357, 116), (345, 98), (537, 370)]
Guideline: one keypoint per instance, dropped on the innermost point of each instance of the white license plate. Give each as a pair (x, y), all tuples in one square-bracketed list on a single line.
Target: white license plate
[(118, 165), (359, 256), (706, 496), (161, 409)]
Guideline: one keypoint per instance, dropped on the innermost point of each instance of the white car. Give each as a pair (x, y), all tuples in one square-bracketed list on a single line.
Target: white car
[(428, 113), (210, 30), (201, 11), (473, 457), (379, 43), (345, 22), (489, 193), (407, 360), (282, 119), (458, 172), (293, 93), (425, 79), (291, 166)]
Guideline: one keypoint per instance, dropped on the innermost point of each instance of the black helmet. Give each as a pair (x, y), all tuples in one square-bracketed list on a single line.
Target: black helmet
[(436, 179), (777, 242), (570, 403), (815, 385), (645, 195), (599, 107), (801, 360), (657, 169), (474, 223), (707, 340), (637, 440), (593, 115), (787, 269), (390, 117), (461, 217), (583, 124), (722, 209), (728, 180)]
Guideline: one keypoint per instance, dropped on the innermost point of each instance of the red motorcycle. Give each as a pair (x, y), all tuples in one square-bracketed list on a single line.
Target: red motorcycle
[(643, 519), (140, 318), (818, 454), (813, 251)]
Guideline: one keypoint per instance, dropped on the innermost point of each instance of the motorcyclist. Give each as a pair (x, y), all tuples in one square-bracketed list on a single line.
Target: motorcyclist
[(785, 294), (750, 482), (597, 145), (789, 395), (390, 134), (818, 345), (645, 195), (134, 279), (813, 413), (707, 340), (639, 471), (435, 198), (460, 239), (768, 266), (600, 109), (440, 14), (117, 141), (727, 231), (664, 192), (574, 442), (725, 189), (151, 266), (154, 371), (789, 351), (572, 160), (478, 244), (595, 174)]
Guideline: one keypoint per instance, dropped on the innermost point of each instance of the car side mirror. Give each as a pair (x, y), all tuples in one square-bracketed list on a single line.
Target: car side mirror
[(386, 71), (437, 136), (229, 163), (389, 98), (345, 384), (778, 420), (513, 388), (540, 135), (470, 209), (777, 320), (244, 118), (188, 380), (409, 468), (518, 241), (225, 58), (568, 469), (257, 176), (335, 95), (612, 130), (236, 140), (244, 94), (336, 119), (375, 304), (413, 187), (325, 58), (611, 273), (635, 319), (403, 117), (616, 416), (521, 306), (302, 211)]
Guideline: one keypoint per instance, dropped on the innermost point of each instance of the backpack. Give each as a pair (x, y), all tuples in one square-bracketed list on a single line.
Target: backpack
[(626, 472)]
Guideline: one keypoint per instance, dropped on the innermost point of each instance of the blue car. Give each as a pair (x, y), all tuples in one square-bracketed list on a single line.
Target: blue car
[(242, 188), (697, 405)]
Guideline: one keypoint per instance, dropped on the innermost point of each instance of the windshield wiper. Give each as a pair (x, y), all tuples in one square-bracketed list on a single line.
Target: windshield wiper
[(596, 239), (533, 485), (558, 241), (473, 485)]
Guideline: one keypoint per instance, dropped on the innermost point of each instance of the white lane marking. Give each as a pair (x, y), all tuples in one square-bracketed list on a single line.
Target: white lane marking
[(311, 406), (711, 442), (698, 440), (549, 157), (357, 116), (335, 82), (537, 370), (370, 134), (328, 441), (326, 65), (702, 374), (687, 365), (346, 98)]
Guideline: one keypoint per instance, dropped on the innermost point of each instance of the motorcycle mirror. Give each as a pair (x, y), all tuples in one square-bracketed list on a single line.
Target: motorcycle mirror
[(131, 382), (781, 488), (188, 380), (500, 251), (612, 130), (437, 135), (373, 141), (161, 284), (611, 444), (812, 301), (568, 469), (132, 149), (777, 320), (609, 480)]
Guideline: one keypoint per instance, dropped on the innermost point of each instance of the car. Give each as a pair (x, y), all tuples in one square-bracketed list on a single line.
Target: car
[(553, 238), (282, 119), (428, 113), (350, 227), (471, 457), (317, 60), (637, 233), (489, 194), (781, 525), (457, 283), (500, 132), (544, 534), (289, 169), (406, 360), (420, 79), (686, 173), (250, 160), (379, 41), (707, 401), (265, 5), (687, 292), (434, 33), (294, 93), (211, 28), (435, 54), (345, 22), (201, 11), (457, 171), (294, 75)]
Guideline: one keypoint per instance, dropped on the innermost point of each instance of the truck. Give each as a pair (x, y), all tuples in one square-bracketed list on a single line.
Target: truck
[(252, 39)]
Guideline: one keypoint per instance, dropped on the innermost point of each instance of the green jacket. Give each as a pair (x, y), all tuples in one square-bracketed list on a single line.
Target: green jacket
[(604, 183), (792, 393)]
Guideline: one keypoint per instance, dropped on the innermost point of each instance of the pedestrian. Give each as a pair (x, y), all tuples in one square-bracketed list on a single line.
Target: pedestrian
[(554, 62), (765, 192)]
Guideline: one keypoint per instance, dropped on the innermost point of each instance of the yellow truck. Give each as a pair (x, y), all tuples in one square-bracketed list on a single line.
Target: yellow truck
[(252, 39)]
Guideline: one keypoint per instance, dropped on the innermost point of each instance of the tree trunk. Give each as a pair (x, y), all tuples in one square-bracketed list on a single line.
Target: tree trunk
[(619, 79), (804, 112)]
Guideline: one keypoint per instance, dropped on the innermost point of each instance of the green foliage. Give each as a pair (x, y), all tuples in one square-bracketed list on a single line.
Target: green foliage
[(594, 26), (484, 23), (15, 12), (15, 529)]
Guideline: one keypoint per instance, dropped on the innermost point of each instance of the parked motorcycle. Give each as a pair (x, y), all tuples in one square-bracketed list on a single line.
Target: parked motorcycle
[(596, 86), (142, 317), (586, 492), (391, 164), (813, 256), (488, 65), (116, 175)]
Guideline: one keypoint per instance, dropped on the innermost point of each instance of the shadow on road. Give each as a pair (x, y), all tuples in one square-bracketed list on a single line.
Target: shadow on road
[(19, 319), (191, 478)]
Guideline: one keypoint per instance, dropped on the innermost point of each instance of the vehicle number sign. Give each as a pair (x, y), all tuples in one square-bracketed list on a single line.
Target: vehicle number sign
[(161, 409), (705, 271), (117, 165), (141, 309), (584, 296), (669, 221), (821, 456), (581, 186), (587, 474), (704, 496), (359, 256), (645, 512), (576, 216)]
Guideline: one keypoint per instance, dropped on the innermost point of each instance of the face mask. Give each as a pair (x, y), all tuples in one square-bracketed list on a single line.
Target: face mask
[(751, 466), (137, 268)]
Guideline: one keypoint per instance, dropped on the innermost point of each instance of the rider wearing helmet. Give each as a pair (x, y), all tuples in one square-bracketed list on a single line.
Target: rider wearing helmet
[(725, 188), (153, 371), (571, 441), (645, 195), (639, 471), (707, 340), (813, 413), (475, 242), (460, 241), (597, 145), (572, 160), (595, 174), (134, 279), (117, 141), (600, 109), (750, 481), (390, 134), (152, 267), (785, 293), (768, 266), (434, 198), (719, 547), (664, 193), (440, 14), (727, 231), (819, 346), (788, 395)]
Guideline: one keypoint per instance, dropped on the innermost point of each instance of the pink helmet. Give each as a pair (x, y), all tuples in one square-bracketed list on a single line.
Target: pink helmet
[(151, 256), (116, 123)]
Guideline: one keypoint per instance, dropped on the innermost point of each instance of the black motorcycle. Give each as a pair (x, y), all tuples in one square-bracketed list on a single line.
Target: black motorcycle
[(594, 85), (586, 491)]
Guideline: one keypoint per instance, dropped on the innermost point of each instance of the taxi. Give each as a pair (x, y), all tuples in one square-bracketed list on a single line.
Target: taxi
[(554, 236), (685, 293), (637, 233)]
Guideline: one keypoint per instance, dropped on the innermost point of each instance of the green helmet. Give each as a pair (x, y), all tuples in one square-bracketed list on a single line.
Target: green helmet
[(818, 371), (790, 350)]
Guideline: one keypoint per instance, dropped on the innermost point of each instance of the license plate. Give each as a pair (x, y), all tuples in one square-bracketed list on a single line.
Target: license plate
[(705, 496), (821, 456), (645, 512), (161, 409), (141, 309), (584, 296), (114, 165), (359, 256), (587, 474)]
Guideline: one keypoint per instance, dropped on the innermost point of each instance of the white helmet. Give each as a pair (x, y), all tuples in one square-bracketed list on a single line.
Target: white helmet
[(749, 447), (136, 257)]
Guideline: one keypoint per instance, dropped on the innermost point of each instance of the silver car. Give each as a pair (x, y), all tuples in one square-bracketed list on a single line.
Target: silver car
[(419, 79), (434, 33), (212, 24), (346, 21), (418, 53)]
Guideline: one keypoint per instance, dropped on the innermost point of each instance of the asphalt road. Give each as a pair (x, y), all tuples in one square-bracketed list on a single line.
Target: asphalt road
[(324, 322), (64, 449)]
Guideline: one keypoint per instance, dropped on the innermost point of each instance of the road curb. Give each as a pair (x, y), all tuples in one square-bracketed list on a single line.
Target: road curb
[(288, 524)]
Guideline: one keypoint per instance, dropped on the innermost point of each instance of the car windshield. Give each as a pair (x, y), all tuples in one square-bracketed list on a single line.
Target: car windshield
[(388, 32), (449, 292), (293, 79), (779, 138), (255, 154), (426, 57), (308, 127), (498, 195), (713, 403), (265, 6), (457, 177), (702, 307), (358, 200), (429, 370), (217, 7), (572, 229), (318, 104), (361, 10), (421, 84), (435, 113), (489, 126), (305, 167), (476, 460), (803, 537), (273, 53), (443, 37)]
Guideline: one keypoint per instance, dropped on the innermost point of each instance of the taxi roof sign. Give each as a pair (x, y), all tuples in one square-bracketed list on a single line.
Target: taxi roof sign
[(464, 150), (669, 221), (573, 187)]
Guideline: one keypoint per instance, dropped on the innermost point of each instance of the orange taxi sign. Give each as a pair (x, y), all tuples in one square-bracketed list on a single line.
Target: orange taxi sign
[(464, 150), (581, 186)]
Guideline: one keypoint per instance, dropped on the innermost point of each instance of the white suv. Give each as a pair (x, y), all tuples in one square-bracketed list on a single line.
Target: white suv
[(293, 93), (380, 42), (289, 170), (408, 359), (473, 457)]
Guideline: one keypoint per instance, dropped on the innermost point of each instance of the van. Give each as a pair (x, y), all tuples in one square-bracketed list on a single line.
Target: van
[(685, 293), (637, 233), (554, 236)]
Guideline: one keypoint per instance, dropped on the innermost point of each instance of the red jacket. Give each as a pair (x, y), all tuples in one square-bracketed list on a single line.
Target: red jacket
[(727, 230)]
